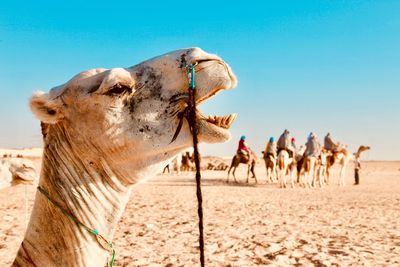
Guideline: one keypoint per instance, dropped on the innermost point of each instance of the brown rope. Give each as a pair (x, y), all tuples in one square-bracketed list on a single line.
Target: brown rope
[(194, 130), (190, 115)]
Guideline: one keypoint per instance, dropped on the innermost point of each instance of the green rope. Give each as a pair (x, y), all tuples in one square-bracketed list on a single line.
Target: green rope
[(95, 232)]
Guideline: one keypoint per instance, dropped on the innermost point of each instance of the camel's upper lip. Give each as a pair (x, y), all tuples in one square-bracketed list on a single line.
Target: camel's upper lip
[(219, 121), (200, 66)]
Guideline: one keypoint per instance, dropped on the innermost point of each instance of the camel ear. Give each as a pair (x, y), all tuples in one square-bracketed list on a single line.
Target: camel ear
[(45, 109)]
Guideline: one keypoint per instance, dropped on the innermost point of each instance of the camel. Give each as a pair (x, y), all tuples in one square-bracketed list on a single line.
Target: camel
[(283, 166), (187, 161), (176, 164), (313, 169), (342, 156), (222, 166), (270, 166), (241, 158), (320, 174), (307, 171), (14, 171), (103, 132)]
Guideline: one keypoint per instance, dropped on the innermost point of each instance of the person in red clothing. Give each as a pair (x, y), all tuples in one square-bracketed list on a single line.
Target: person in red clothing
[(243, 148)]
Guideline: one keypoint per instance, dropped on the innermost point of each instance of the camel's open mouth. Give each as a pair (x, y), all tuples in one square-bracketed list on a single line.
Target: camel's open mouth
[(224, 122)]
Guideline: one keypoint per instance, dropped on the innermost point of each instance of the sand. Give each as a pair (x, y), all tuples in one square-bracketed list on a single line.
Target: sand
[(246, 225)]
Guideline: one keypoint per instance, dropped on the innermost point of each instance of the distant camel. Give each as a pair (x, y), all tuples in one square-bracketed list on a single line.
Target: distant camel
[(187, 160), (270, 166), (241, 158), (282, 163), (307, 171), (320, 174), (343, 157), (14, 171)]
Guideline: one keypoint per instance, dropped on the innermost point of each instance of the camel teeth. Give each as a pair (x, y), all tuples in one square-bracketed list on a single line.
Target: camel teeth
[(223, 121), (219, 121), (231, 119)]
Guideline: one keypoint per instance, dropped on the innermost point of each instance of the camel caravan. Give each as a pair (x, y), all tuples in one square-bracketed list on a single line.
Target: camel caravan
[(307, 166)]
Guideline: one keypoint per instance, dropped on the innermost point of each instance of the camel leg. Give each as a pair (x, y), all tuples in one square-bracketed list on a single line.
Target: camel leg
[(327, 176), (281, 177), (248, 173), (311, 179), (303, 178), (314, 179), (298, 176), (253, 172), (292, 177), (229, 171), (284, 175), (323, 177), (307, 175), (274, 174), (284, 180), (342, 174), (233, 173), (320, 177), (267, 171)]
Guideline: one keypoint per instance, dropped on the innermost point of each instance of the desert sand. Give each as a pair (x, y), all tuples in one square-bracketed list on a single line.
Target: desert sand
[(245, 225)]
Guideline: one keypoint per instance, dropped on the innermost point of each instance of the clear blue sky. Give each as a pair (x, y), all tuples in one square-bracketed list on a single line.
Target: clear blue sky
[(302, 65)]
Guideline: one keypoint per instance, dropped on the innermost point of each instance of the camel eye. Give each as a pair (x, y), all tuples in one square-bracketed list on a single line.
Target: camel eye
[(118, 89)]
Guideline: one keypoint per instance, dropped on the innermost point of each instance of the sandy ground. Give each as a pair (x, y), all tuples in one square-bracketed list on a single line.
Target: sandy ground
[(246, 225)]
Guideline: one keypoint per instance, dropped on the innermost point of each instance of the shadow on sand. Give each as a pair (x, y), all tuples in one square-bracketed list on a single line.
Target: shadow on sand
[(190, 181)]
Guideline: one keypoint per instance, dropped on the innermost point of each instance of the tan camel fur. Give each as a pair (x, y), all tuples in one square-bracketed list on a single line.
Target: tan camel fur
[(104, 131)]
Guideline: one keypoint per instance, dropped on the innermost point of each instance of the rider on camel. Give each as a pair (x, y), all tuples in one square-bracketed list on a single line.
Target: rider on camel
[(293, 145), (284, 143), (329, 144), (313, 147), (243, 148), (270, 150)]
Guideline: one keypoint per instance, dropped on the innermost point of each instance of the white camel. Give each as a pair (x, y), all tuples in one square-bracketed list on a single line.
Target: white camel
[(283, 162), (103, 131), (320, 174)]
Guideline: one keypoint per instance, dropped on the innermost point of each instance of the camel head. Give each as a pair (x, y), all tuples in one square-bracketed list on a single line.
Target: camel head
[(128, 114), (361, 149)]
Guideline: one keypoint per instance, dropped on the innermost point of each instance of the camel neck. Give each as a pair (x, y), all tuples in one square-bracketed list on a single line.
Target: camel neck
[(89, 191)]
